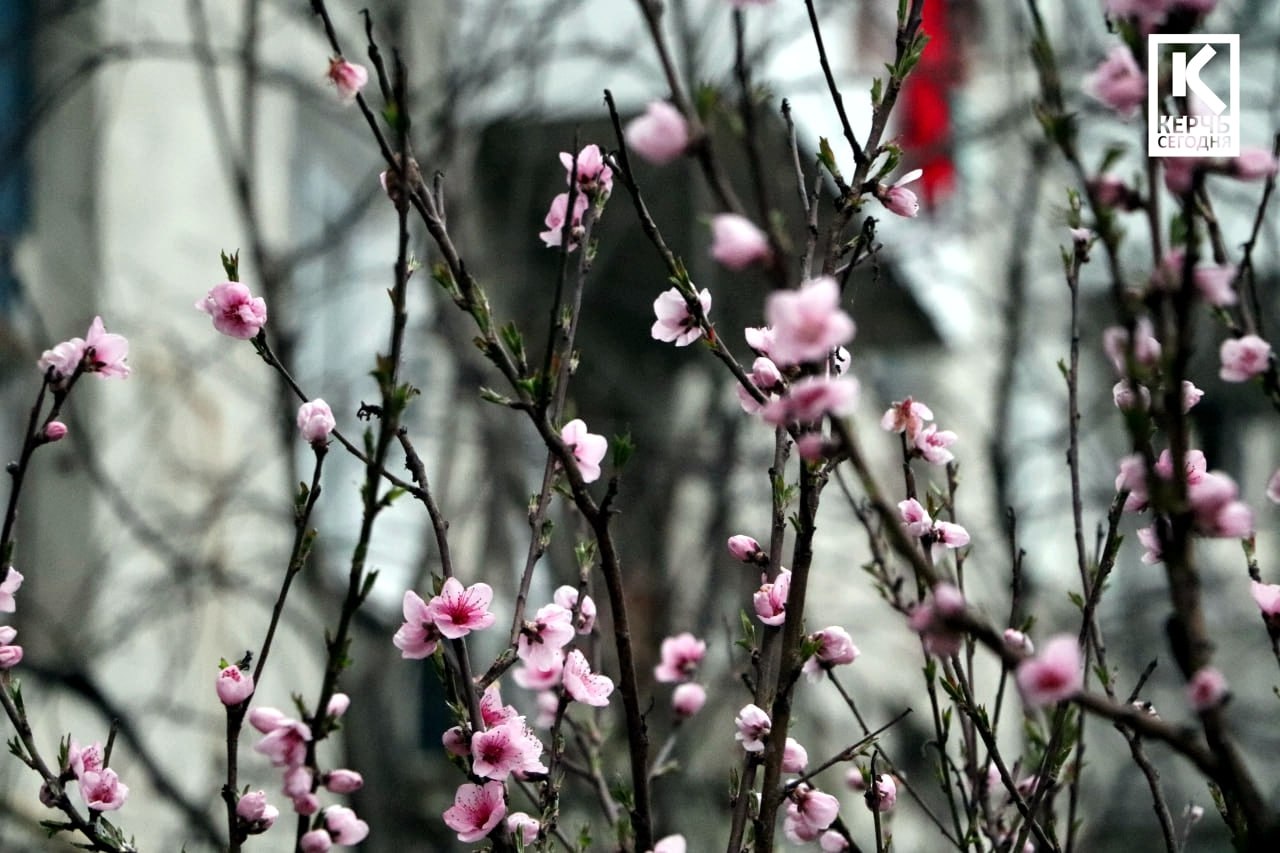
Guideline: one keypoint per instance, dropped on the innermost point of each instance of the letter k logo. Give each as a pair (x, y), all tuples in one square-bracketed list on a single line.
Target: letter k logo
[(1187, 75)]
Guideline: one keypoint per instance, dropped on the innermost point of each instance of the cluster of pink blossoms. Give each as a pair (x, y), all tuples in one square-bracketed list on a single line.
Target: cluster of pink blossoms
[(285, 742), (99, 352), (926, 441), (100, 787), (10, 653), (681, 656), (454, 613), (594, 184)]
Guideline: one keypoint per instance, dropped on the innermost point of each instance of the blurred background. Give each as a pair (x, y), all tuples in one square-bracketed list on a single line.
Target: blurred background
[(141, 137)]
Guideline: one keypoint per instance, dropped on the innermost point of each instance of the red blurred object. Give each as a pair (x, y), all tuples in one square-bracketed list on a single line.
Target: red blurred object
[(925, 107)]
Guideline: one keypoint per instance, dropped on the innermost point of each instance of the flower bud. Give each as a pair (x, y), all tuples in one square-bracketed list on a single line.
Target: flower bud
[(315, 841), (343, 781), (688, 699), (234, 685), (338, 705), (53, 431), (315, 422), (306, 805), (744, 548)]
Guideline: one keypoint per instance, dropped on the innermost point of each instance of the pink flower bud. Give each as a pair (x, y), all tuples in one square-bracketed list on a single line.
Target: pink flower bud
[(48, 798), (854, 780), (53, 431), (1244, 358), (660, 135), (688, 699), (1016, 641), (795, 758), (883, 795), (315, 841), (745, 548), (256, 812), (234, 685), (736, 242), (1118, 82), (456, 741), (338, 704), (1207, 689), (1253, 164), (297, 781), (897, 199), (306, 804), (10, 656), (315, 422), (343, 781), (348, 77), (344, 826)]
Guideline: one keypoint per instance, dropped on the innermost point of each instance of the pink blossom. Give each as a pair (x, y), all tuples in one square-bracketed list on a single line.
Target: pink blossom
[(933, 443), (492, 711), (897, 198), (915, 518), (556, 216), (81, 760), (343, 781), (541, 639), (675, 322), (1253, 164), (795, 829), (883, 795), (1118, 82), (906, 416), (594, 175), (567, 597), (315, 422), (53, 431), (687, 699), (815, 808), (12, 581), (1214, 284), (1053, 675), (62, 359), (1180, 173), (1273, 493), (587, 448), (257, 814), (765, 374), (456, 741), (660, 135), (476, 810), (854, 780), (418, 637), (676, 843), (344, 826), (1190, 395), (812, 447), (753, 727), (1126, 401), (1244, 358), (948, 535), (807, 323), (348, 77), (99, 352), (1018, 642), (835, 648), (103, 790), (795, 758), (760, 339), (582, 684), (1146, 349), (681, 655), (1216, 510), (770, 600), (267, 720), (315, 841), (1110, 191), (509, 747), (736, 242), (284, 744), (812, 398), (1267, 597), (338, 705), (234, 685), (1149, 538), (306, 804), (930, 619), (748, 550), (548, 705), (1207, 689), (1133, 479), (235, 311), (539, 678), (832, 841), (297, 781), (457, 612), (523, 826)]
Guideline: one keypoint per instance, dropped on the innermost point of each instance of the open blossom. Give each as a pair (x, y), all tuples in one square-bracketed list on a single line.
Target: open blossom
[(915, 518), (660, 135), (835, 648), (532, 677), (457, 612), (103, 790), (675, 323), (476, 810), (99, 352), (681, 655), (8, 587), (507, 748), (812, 398), (82, 760), (567, 597), (234, 685), (418, 636), (815, 809), (736, 242), (582, 684), (897, 198), (1206, 689), (1267, 597), (770, 601), (236, 312), (688, 698), (1215, 507), (1191, 395), (315, 422), (588, 448), (906, 416), (594, 175), (1244, 358), (807, 323), (1214, 284), (555, 220), (1146, 349), (760, 339), (542, 638), (348, 78), (10, 654), (753, 727), (1118, 82), (1054, 674), (492, 711), (933, 443), (285, 740)]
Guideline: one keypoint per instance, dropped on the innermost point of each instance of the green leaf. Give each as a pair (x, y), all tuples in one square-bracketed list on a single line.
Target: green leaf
[(623, 449), (231, 264)]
